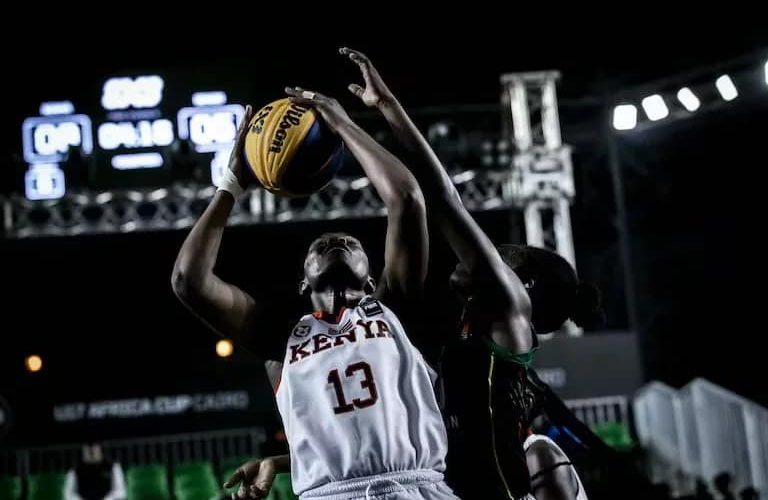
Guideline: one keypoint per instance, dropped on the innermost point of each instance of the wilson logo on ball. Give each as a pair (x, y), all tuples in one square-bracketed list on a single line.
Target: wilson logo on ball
[(290, 149)]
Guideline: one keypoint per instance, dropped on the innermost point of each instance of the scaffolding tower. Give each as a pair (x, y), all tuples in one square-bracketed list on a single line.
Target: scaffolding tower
[(542, 172)]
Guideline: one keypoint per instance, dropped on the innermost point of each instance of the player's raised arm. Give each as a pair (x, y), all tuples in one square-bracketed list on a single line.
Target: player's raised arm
[(227, 309), (406, 251), (473, 248)]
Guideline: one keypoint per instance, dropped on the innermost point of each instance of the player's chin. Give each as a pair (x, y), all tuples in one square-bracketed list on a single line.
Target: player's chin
[(336, 265), (336, 258)]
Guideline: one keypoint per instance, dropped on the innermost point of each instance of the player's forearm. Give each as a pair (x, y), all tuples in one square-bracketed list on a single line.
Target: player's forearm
[(197, 256), (394, 183), (433, 178), (444, 201), (467, 239)]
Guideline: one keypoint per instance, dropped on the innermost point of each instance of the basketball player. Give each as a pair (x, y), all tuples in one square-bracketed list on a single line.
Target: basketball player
[(355, 396), (488, 398)]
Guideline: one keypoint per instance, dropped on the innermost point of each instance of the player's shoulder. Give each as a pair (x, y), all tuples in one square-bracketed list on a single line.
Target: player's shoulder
[(303, 326), (544, 451), (371, 306)]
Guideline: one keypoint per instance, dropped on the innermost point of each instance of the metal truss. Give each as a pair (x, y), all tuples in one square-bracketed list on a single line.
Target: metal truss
[(178, 206), (542, 170)]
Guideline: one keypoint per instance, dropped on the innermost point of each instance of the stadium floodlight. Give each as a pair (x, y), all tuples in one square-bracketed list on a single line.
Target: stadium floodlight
[(726, 88), (625, 117), (688, 99), (655, 107)]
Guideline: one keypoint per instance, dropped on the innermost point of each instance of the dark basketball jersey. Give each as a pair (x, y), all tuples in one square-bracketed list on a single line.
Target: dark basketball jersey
[(487, 404)]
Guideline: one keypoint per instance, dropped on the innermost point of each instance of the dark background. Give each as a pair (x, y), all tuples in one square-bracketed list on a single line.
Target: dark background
[(100, 311)]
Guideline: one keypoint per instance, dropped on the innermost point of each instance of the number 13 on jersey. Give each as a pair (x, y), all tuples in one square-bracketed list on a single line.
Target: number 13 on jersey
[(356, 373)]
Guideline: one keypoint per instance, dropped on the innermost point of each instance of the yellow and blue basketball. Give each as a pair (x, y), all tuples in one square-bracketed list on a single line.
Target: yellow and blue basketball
[(291, 150)]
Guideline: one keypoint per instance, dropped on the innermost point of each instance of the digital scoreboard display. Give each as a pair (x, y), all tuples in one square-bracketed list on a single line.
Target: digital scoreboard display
[(127, 136)]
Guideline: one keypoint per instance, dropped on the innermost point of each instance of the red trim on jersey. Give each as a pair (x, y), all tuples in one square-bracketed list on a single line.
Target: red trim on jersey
[(328, 317), (341, 313)]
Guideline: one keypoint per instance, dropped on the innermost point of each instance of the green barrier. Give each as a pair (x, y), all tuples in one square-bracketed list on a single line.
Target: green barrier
[(10, 488), (615, 435), (195, 481), (47, 486), (147, 482)]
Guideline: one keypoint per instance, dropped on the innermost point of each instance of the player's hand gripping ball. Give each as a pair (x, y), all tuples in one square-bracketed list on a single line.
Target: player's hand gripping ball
[(291, 150)]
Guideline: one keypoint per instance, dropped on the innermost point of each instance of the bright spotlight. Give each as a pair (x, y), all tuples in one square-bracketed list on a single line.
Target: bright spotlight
[(688, 99), (726, 88), (224, 348), (34, 363), (655, 107), (624, 117)]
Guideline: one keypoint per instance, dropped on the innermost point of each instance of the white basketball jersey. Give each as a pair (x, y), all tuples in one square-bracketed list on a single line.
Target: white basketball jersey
[(357, 399)]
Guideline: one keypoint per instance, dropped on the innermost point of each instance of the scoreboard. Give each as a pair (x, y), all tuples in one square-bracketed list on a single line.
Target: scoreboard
[(126, 136)]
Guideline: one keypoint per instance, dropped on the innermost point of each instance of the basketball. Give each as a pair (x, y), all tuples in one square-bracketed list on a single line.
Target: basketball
[(290, 149)]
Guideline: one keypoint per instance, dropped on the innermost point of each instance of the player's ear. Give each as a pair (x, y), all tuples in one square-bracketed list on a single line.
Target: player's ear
[(370, 285), (304, 287)]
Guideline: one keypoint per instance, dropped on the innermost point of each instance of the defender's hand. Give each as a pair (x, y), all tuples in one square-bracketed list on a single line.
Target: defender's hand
[(375, 93)]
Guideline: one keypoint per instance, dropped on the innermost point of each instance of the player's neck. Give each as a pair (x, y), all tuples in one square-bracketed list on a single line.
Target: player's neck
[(334, 300)]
